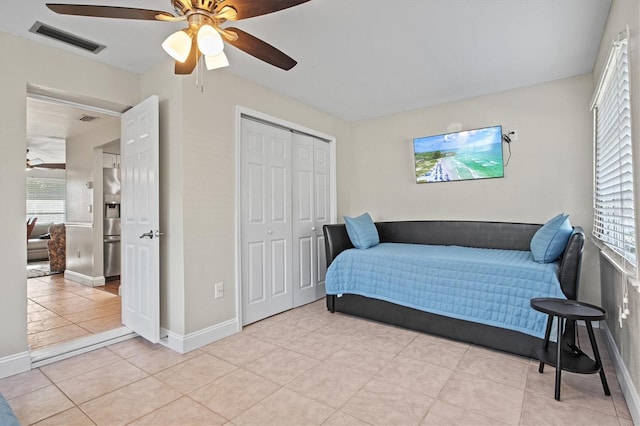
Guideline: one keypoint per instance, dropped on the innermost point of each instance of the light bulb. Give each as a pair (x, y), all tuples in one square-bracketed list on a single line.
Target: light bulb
[(178, 45), (218, 61), (209, 41)]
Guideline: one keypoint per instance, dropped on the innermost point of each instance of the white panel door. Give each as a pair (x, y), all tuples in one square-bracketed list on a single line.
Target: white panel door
[(322, 209), (140, 288), (266, 221), (304, 244), (311, 204)]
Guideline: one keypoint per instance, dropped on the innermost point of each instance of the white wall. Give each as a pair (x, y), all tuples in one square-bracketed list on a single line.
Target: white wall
[(80, 253), (67, 73), (549, 171), (84, 205), (80, 168), (161, 82), (197, 159), (198, 169), (208, 183)]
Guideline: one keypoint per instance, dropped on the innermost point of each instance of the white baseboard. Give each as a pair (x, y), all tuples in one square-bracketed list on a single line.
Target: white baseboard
[(84, 279), (15, 364), (624, 378), (200, 338)]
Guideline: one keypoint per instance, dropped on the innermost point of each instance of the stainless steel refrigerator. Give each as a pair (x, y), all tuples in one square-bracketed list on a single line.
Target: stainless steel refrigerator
[(111, 225)]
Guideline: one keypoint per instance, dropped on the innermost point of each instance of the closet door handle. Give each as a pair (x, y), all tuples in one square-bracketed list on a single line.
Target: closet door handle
[(313, 228), (269, 232)]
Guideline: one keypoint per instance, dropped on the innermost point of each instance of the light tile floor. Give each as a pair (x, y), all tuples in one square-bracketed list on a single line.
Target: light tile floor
[(305, 367), (60, 310)]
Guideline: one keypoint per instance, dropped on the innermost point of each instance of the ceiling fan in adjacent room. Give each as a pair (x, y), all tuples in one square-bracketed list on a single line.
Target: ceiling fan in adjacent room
[(38, 163), (204, 35)]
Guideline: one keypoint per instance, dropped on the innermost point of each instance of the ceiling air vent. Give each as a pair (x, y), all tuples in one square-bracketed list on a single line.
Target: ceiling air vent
[(65, 37), (87, 118)]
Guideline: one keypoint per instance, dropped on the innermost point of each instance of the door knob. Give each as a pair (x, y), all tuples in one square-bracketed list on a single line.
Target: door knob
[(147, 235), (313, 228), (269, 232)]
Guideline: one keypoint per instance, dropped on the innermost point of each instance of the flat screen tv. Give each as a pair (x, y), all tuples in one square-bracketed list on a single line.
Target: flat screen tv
[(469, 154)]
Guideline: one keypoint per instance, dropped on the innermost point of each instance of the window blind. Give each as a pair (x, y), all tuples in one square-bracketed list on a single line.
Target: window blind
[(614, 213), (46, 199)]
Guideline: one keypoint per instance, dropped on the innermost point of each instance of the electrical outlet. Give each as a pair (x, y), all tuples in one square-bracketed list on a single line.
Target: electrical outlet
[(513, 135), (218, 290)]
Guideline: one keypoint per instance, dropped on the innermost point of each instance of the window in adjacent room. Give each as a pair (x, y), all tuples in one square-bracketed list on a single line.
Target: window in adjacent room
[(46, 199), (614, 215)]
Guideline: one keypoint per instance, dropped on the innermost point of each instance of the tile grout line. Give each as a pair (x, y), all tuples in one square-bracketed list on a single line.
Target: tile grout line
[(141, 351)]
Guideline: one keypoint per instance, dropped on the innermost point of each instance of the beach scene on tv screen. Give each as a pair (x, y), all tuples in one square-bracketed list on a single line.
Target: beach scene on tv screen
[(471, 154)]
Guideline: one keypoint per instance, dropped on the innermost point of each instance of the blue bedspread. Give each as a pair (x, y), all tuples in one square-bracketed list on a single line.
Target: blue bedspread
[(488, 286)]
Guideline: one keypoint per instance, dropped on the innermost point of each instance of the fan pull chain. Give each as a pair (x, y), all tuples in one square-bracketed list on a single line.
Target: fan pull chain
[(200, 74)]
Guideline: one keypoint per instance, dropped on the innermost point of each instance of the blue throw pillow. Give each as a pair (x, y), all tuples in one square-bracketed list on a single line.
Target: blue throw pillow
[(549, 242), (362, 231)]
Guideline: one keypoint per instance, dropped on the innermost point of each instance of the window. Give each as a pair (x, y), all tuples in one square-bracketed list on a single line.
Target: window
[(46, 199), (614, 215)]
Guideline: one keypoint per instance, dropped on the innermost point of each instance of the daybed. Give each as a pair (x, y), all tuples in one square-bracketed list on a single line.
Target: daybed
[(490, 235)]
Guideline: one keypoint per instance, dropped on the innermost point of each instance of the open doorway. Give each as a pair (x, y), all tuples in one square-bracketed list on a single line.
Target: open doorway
[(68, 295)]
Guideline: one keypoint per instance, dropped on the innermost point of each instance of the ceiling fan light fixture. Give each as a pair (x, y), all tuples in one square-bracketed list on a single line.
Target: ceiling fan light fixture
[(218, 61), (209, 41), (178, 45), (204, 18)]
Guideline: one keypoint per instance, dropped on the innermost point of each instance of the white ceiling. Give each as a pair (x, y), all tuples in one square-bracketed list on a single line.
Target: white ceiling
[(49, 124), (359, 59)]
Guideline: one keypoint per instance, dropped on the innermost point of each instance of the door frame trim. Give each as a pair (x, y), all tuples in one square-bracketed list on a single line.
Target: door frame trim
[(67, 349), (241, 112)]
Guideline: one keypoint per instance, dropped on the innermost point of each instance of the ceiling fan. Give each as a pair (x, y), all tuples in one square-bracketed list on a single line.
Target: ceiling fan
[(38, 163), (204, 36)]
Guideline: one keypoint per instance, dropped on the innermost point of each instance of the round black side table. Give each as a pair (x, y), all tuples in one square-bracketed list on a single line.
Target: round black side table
[(569, 357)]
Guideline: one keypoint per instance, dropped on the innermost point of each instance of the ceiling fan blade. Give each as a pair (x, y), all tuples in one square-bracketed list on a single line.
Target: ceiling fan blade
[(49, 166), (250, 8), (35, 162), (106, 11), (261, 50), (187, 66), (170, 18)]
